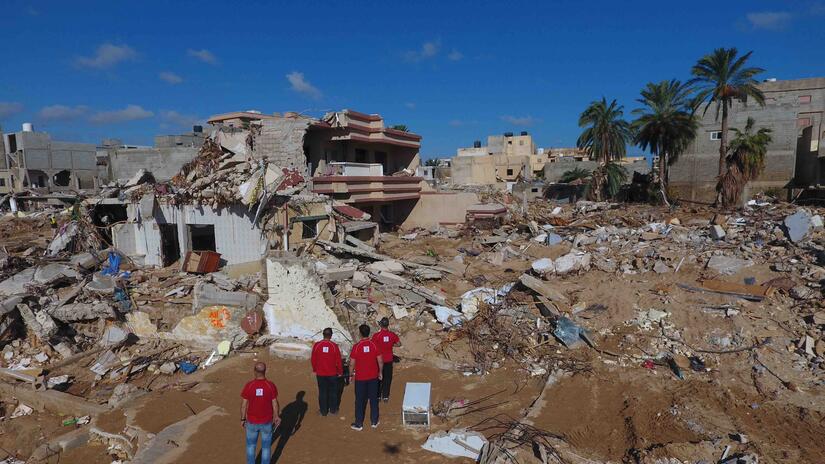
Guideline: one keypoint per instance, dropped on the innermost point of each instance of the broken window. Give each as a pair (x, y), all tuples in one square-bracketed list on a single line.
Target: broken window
[(309, 229), (62, 178), (2, 182), (535, 190), (202, 237), (12, 143), (509, 172)]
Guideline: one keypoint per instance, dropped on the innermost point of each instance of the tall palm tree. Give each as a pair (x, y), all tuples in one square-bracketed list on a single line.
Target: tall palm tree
[(605, 138), (745, 162), (721, 78), (666, 124)]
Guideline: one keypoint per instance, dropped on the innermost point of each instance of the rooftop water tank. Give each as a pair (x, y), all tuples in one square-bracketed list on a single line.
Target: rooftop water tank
[(28, 127)]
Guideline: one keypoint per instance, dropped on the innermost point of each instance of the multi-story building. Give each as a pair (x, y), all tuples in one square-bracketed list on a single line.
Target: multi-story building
[(505, 159), (165, 159), (32, 160), (793, 111)]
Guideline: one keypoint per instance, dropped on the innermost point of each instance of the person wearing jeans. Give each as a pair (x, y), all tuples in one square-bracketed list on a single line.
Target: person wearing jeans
[(260, 411), (327, 367), (365, 365)]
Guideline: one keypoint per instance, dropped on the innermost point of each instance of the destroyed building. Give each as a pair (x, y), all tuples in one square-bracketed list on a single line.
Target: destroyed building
[(163, 160), (32, 160), (795, 159), (505, 159)]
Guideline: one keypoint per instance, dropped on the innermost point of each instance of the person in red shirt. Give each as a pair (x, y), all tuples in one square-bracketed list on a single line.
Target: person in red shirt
[(259, 412), (384, 340), (327, 367), (365, 365)]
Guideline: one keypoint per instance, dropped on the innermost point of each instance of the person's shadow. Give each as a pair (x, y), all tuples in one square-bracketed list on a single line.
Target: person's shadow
[(291, 417)]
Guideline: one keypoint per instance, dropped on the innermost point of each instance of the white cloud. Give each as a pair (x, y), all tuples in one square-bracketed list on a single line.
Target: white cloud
[(519, 120), (428, 50), (299, 84), (410, 105), (769, 20), (61, 112), (170, 77), (9, 109), (107, 56), (455, 55), (179, 120), (204, 55), (130, 113)]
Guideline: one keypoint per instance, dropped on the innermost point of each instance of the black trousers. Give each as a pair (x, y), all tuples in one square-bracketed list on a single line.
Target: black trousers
[(366, 390), (386, 382), (327, 394)]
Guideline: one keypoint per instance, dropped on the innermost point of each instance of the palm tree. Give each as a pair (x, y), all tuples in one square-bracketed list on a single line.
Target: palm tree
[(605, 139), (666, 124), (721, 78), (745, 162)]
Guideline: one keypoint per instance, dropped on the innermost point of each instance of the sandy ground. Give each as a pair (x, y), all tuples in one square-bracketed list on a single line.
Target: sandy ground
[(315, 438)]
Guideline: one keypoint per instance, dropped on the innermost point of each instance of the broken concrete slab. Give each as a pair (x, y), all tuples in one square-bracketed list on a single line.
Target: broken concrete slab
[(141, 325), (797, 225), (427, 274), (299, 304), (101, 284), (660, 267), (17, 284), (456, 443), (210, 326), (75, 312), (717, 232), (389, 266), (40, 323), (543, 266), (544, 289), (334, 274), (85, 260), (206, 294), (728, 265), (360, 279), (52, 273), (572, 262)]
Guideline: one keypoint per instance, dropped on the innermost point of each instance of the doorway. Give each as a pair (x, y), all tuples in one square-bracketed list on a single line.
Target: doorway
[(169, 246)]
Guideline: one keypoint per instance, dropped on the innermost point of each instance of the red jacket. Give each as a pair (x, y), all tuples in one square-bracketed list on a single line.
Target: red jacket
[(384, 340), (326, 359), (365, 354)]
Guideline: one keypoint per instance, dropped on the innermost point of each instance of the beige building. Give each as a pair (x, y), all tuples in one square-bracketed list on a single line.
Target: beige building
[(505, 158)]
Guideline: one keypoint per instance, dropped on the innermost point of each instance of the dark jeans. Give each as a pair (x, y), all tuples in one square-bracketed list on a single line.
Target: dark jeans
[(327, 394), (366, 390), (386, 381)]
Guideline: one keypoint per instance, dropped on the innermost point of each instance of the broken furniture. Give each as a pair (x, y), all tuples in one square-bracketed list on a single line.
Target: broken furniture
[(415, 409), (201, 262)]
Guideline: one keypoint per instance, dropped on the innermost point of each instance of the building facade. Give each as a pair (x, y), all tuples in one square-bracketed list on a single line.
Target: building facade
[(793, 111), (32, 160), (505, 159)]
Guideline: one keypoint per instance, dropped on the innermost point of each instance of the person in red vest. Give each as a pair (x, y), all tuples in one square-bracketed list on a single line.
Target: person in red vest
[(259, 412), (385, 340), (365, 365), (327, 367)]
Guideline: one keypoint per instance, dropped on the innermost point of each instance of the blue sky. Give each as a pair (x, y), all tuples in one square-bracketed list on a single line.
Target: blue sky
[(452, 71)]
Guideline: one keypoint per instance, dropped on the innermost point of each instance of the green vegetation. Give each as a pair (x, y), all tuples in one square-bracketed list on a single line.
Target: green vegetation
[(745, 162), (665, 125), (604, 139), (720, 78), (574, 174)]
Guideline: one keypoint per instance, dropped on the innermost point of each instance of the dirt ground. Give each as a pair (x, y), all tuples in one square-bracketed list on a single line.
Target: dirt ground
[(315, 438)]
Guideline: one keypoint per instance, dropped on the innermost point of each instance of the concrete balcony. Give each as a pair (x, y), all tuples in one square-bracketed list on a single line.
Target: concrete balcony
[(363, 183)]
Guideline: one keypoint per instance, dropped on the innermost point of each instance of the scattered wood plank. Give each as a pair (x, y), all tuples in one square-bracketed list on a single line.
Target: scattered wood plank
[(746, 292), (544, 289), (344, 248)]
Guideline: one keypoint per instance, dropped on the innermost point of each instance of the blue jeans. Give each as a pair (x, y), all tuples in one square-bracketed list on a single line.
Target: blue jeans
[(252, 431), (366, 391)]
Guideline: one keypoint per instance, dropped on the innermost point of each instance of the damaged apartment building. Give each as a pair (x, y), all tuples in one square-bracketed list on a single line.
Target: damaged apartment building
[(264, 182), (33, 161), (505, 160)]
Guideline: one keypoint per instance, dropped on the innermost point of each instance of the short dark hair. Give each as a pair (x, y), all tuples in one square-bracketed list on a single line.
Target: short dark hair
[(328, 333), (384, 322), (364, 329)]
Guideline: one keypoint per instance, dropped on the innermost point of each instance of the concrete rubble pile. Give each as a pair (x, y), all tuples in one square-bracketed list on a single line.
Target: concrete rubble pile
[(80, 318)]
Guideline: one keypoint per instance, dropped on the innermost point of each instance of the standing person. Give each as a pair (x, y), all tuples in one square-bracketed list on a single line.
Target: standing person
[(384, 339), (259, 412), (365, 367), (327, 367)]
